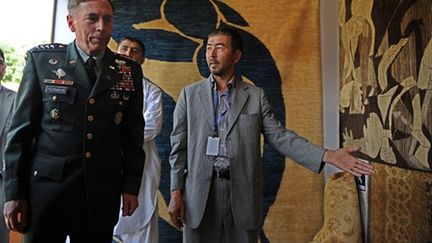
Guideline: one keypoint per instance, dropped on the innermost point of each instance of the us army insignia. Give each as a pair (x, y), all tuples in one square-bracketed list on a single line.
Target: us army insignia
[(53, 61), (120, 62), (118, 118)]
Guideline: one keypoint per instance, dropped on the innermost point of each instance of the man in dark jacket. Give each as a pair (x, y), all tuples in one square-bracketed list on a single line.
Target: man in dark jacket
[(7, 99), (75, 142)]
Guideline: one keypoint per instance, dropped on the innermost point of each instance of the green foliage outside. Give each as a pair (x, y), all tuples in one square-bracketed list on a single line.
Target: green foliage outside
[(14, 63)]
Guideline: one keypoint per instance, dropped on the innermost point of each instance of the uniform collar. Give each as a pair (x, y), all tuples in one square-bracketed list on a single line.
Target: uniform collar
[(84, 55)]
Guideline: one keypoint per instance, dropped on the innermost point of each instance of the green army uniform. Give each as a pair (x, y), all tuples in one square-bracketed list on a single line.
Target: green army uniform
[(73, 148)]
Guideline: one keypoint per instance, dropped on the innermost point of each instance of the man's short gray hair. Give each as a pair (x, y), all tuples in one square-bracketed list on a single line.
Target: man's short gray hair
[(73, 4)]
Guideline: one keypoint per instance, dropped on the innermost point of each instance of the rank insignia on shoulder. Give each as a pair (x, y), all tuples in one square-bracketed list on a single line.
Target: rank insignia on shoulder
[(50, 46), (59, 82)]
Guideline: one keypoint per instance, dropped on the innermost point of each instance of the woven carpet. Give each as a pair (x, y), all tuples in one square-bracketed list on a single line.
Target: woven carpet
[(281, 55)]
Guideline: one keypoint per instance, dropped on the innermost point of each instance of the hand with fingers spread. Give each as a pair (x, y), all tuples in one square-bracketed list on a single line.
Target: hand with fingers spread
[(343, 159), (177, 208), (16, 215)]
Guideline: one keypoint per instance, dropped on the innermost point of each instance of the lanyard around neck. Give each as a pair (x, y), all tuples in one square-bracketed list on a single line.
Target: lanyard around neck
[(218, 117)]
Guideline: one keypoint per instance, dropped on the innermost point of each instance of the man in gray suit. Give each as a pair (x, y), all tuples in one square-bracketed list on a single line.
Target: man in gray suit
[(216, 172), (7, 98)]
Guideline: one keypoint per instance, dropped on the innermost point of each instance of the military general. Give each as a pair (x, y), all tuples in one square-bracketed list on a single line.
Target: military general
[(74, 148)]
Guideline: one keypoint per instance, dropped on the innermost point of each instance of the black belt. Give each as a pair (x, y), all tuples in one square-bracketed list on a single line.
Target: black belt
[(222, 174)]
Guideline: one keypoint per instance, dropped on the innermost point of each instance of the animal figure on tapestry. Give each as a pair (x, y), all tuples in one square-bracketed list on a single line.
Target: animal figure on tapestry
[(173, 35)]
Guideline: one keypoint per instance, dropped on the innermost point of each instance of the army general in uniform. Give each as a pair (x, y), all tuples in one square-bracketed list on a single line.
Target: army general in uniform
[(74, 147)]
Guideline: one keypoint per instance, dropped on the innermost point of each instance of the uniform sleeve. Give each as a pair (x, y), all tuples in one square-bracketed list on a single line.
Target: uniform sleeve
[(24, 126), (133, 138), (178, 155), (152, 111)]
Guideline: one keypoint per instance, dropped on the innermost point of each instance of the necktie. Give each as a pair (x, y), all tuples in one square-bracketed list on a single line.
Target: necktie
[(90, 65)]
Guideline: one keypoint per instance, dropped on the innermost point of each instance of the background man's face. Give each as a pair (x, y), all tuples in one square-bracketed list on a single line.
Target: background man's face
[(131, 49)]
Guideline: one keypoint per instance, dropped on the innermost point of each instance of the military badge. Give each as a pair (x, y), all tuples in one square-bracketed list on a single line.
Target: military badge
[(118, 118), (120, 62), (126, 81), (53, 61), (60, 73), (55, 114), (55, 89), (114, 95), (59, 82)]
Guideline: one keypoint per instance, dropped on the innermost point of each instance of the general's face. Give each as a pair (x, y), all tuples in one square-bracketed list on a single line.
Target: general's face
[(131, 49), (92, 23), (2, 68), (221, 58)]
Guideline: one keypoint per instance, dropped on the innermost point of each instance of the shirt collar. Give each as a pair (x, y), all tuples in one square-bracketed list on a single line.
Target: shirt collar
[(84, 55), (231, 82)]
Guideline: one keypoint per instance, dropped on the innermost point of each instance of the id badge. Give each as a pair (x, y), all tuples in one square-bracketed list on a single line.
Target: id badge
[(213, 146)]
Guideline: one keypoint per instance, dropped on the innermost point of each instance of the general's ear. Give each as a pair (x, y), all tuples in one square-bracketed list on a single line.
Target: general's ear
[(70, 20)]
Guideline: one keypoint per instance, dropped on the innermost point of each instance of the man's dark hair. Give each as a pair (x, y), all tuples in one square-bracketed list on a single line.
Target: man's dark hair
[(236, 39), (134, 39), (2, 54), (73, 4)]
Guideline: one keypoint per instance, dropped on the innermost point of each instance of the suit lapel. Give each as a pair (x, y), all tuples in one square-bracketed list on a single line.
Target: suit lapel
[(206, 97), (6, 100), (239, 99)]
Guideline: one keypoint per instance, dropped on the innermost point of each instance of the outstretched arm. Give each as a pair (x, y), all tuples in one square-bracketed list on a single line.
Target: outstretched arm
[(343, 159)]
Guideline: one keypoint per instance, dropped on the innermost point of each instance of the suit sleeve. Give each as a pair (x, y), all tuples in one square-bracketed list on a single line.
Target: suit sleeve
[(178, 155), (287, 142), (24, 126), (133, 138)]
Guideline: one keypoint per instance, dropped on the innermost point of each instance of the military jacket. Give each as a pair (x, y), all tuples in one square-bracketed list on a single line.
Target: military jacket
[(65, 128)]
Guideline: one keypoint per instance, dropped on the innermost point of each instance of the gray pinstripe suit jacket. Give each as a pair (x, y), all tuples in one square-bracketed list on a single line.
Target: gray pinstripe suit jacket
[(7, 98), (250, 115)]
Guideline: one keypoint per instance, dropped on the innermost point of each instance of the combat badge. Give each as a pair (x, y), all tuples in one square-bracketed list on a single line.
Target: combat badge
[(60, 73), (118, 118)]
